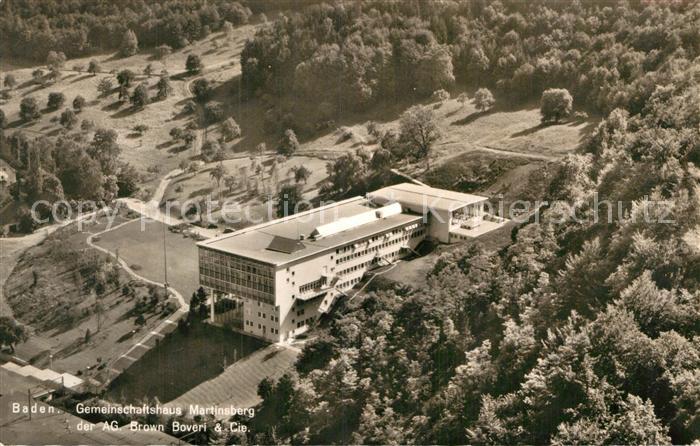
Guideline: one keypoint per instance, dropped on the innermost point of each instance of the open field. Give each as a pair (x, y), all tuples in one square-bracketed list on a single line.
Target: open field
[(143, 252), (180, 362)]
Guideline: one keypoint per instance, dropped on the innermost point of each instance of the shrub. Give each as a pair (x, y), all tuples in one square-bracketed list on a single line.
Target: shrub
[(213, 112), (230, 129), (29, 109), (79, 103), (140, 128), (56, 100), (440, 95), (189, 107)]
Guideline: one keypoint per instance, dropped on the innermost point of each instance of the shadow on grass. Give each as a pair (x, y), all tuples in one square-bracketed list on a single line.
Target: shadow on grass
[(81, 78), (126, 112), (165, 144), (531, 130), (200, 192), (113, 106), (270, 355), (126, 336), (178, 149), (471, 118)]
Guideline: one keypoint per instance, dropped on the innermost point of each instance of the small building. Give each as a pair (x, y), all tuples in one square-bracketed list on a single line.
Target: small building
[(279, 276)]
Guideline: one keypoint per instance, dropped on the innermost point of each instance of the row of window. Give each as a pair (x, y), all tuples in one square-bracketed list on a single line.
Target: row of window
[(388, 256), (349, 283), (372, 249), (273, 318), (316, 284), (417, 233), (235, 281), (228, 287), (358, 266), (306, 321), (380, 236), (260, 327), (235, 262)]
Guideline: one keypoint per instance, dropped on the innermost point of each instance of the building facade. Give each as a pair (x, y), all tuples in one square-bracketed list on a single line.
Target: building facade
[(282, 274)]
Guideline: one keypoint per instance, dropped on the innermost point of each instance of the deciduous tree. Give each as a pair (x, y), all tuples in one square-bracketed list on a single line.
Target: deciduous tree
[(193, 65), (105, 86), (230, 129), (140, 97), (483, 99), (11, 333), (78, 103), (56, 100), (94, 67), (556, 104), (29, 109), (419, 131), (68, 119), (129, 45), (289, 144)]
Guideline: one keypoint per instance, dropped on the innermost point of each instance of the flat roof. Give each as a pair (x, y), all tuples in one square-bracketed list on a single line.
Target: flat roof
[(253, 242), (416, 196)]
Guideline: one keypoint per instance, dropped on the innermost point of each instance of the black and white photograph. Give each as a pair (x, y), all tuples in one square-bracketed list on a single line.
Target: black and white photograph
[(349, 222)]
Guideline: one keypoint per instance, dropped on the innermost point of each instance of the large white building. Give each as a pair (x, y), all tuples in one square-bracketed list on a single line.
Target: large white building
[(279, 276)]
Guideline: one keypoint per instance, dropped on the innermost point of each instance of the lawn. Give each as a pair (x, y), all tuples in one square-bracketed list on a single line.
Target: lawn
[(143, 251), (180, 362)]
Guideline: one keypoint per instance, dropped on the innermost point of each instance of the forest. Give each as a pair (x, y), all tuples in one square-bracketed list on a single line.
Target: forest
[(79, 28), (352, 56), (580, 331), (69, 167)]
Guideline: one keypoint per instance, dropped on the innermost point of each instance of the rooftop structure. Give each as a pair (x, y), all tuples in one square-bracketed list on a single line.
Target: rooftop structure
[(423, 198), (286, 240)]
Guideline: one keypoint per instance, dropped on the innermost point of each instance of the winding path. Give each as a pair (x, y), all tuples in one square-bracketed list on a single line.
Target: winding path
[(116, 366)]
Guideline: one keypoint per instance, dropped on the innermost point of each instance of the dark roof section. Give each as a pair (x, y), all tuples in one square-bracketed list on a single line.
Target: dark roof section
[(285, 245)]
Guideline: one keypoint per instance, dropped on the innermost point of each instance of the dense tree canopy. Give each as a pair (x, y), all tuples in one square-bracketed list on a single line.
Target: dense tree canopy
[(349, 56), (578, 331), (77, 28)]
